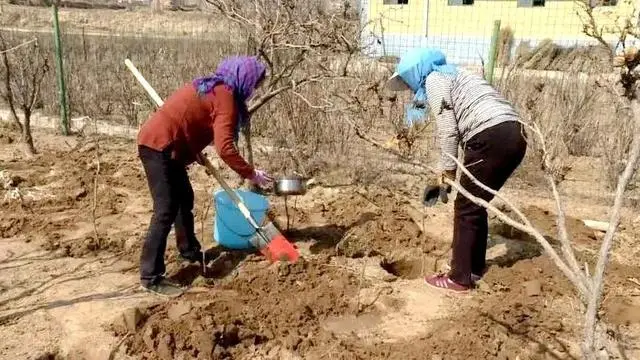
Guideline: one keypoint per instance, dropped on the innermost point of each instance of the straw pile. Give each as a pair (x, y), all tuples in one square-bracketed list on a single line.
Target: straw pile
[(549, 56)]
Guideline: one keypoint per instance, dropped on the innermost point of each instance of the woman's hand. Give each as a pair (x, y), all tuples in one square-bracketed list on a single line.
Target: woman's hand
[(200, 158), (261, 178), (447, 174)]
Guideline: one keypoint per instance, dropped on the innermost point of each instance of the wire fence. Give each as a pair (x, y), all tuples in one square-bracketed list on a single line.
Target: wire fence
[(170, 48), (541, 34)]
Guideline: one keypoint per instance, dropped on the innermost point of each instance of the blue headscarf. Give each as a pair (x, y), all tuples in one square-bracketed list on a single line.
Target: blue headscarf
[(413, 69)]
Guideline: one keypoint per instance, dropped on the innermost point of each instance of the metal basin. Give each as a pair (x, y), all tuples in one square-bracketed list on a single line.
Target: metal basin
[(290, 185)]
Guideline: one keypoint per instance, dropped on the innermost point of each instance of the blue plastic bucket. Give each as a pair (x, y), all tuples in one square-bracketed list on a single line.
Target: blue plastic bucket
[(231, 229)]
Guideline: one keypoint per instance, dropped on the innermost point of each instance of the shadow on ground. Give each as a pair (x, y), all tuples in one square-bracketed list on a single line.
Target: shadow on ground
[(220, 263), (327, 237)]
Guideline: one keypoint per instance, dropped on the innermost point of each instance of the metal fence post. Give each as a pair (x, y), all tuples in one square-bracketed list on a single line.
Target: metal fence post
[(493, 51), (62, 89)]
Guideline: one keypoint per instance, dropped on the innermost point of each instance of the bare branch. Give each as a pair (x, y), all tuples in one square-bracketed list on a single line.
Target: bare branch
[(583, 292), (327, 105), (573, 273), (565, 242), (607, 243), (19, 45), (8, 91), (259, 102)]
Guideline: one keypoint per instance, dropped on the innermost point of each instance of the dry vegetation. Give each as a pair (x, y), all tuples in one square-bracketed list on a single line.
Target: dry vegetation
[(325, 115)]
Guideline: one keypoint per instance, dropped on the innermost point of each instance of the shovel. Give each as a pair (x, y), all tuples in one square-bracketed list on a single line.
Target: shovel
[(275, 247)]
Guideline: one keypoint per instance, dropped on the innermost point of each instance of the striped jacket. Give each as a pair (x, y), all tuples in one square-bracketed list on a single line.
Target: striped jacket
[(463, 105)]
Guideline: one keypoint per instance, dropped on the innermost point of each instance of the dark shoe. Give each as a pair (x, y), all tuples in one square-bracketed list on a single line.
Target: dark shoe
[(164, 288), (478, 277), (192, 256)]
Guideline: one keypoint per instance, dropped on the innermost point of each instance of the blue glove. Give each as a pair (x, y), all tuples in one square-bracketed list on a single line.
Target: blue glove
[(414, 114)]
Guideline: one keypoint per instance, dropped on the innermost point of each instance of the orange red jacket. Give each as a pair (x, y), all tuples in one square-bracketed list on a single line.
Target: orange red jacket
[(188, 123)]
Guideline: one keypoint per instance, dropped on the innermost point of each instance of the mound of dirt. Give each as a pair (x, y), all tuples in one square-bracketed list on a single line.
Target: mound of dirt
[(359, 225), (508, 323), (266, 308), (545, 222), (60, 194)]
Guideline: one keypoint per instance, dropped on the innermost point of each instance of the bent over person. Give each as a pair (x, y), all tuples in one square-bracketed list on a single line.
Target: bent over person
[(211, 109), (471, 114)]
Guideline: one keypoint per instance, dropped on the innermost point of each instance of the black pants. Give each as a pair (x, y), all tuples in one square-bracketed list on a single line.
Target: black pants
[(491, 156), (172, 203)]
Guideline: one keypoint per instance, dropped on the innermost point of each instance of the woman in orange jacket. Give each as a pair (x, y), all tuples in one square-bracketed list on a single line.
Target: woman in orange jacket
[(211, 109)]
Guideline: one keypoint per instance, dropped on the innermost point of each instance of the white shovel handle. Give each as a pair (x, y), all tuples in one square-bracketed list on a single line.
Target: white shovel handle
[(145, 84)]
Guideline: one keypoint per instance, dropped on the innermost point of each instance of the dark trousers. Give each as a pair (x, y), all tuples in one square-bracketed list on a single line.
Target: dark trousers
[(172, 204), (491, 156)]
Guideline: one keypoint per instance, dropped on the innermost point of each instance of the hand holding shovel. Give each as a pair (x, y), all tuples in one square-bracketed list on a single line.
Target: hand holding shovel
[(434, 192)]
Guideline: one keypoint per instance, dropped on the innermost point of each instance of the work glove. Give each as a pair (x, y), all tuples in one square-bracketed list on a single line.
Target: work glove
[(447, 174), (434, 192), (261, 178)]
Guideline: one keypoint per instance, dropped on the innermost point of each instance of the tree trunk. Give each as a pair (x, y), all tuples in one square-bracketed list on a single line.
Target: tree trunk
[(591, 320), (27, 139), (15, 118), (8, 89)]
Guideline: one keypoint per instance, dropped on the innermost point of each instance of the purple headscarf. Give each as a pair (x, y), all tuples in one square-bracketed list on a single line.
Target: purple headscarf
[(241, 74)]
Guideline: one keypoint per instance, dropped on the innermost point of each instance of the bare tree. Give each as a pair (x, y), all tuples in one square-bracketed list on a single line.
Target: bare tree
[(626, 30), (300, 41), (588, 287), (23, 69), (588, 284)]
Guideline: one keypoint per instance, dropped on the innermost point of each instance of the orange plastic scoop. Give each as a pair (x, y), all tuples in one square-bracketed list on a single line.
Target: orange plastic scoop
[(279, 249), (276, 247)]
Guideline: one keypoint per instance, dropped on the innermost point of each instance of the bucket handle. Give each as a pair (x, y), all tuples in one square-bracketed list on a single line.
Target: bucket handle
[(236, 233)]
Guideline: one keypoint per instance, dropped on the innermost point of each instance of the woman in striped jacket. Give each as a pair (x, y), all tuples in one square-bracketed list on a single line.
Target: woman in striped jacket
[(471, 114)]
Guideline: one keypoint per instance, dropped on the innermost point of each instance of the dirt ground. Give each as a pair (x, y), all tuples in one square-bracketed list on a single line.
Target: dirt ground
[(73, 219), (357, 293)]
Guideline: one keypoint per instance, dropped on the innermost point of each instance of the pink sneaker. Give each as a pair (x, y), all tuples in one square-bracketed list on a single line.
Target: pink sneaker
[(443, 282), (474, 277)]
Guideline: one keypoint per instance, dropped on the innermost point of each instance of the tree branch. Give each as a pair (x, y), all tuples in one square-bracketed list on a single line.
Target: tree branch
[(575, 277), (563, 236), (607, 243), (259, 102), (8, 91), (572, 273)]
